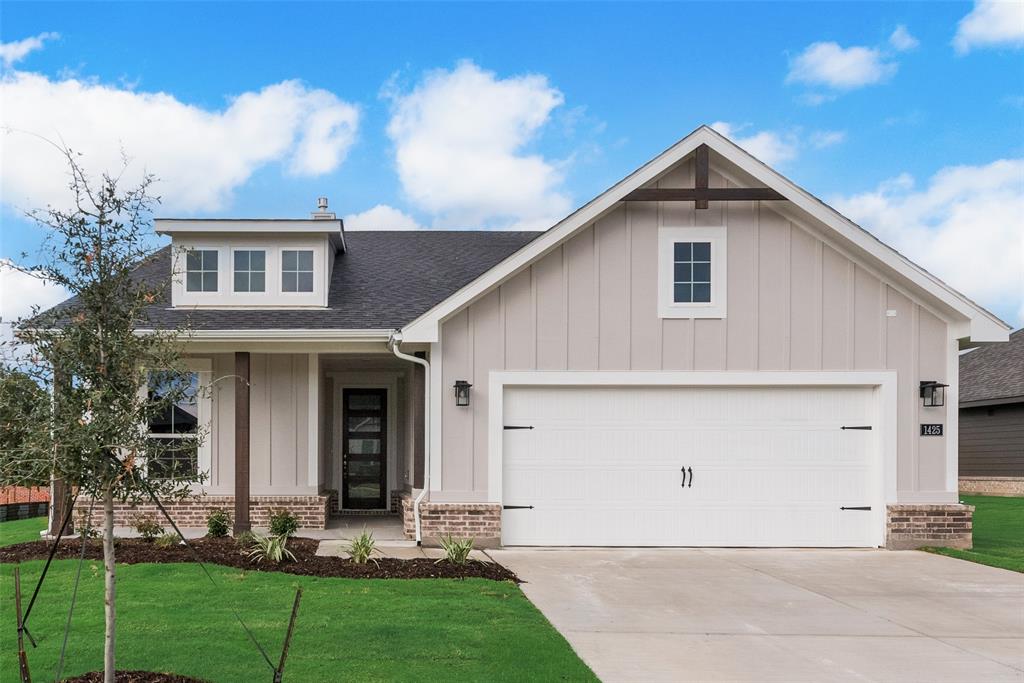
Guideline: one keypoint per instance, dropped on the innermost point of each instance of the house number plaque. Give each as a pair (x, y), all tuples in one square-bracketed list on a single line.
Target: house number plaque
[(931, 430)]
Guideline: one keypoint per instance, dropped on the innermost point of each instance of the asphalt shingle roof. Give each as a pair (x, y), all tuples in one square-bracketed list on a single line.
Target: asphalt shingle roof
[(384, 280), (993, 372)]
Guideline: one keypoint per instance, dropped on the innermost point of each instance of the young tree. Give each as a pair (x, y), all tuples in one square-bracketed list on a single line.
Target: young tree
[(97, 352)]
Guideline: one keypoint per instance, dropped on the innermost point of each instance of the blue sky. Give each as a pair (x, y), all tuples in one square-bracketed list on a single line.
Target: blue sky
[(907, 116)]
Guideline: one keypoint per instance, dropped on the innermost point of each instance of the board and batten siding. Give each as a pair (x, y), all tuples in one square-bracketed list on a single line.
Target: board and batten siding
[(992, 441), (794, 303), (279, 424)]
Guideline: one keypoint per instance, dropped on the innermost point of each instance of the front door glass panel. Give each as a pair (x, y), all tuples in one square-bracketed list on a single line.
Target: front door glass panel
[(364, 457)]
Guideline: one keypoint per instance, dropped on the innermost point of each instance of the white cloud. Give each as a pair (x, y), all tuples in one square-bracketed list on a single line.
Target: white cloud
[(827, 138), (381, 217), (19, 292), (462, 148), (901, 39), (992, 23), (19, 49), (769, 146), (964, 227), (200, 156), (833, 66)]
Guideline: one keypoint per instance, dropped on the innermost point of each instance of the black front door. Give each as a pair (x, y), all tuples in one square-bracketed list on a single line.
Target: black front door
[(364, 449)]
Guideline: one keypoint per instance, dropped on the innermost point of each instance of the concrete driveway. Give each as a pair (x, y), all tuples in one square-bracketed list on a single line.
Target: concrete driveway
[(779, 615)]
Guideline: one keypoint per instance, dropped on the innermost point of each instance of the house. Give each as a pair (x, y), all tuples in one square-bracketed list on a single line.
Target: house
[(992, 419), (703, 355)]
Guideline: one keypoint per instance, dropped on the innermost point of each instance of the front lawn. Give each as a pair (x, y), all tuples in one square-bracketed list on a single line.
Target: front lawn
[(21, 530), (171, 618), (998, 533)]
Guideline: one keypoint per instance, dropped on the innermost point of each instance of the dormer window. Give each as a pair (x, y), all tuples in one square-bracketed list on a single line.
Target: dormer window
[(201, 270), (250, 270), (296, 270)]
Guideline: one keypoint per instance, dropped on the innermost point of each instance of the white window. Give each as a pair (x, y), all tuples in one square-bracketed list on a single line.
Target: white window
[(250, 270), (296, 270), (178, 447), (201, 270), (691, 272)]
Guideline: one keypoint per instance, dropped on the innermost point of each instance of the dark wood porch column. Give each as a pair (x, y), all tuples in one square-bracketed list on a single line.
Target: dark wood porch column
[(242, 441), (418, 391)]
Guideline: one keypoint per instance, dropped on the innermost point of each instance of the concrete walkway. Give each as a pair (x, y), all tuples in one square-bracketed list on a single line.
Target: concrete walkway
[(779, 615)]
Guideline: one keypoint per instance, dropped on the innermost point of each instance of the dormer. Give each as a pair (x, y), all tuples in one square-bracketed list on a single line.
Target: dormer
[(253, 263)]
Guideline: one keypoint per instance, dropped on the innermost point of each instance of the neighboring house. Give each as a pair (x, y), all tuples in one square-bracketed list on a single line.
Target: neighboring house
[(704, 355), (992, 419)]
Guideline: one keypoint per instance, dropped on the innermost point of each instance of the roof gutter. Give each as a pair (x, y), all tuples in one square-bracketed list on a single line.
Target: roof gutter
[(291, 335), (393, 342)]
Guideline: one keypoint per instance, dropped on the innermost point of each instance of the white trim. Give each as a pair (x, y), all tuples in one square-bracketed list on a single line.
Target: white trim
[(295, 335), (952, 416), (367, 379), (171, 226), (667, 238), (885, 464), (984, 326), (313, 419), (436, 391)]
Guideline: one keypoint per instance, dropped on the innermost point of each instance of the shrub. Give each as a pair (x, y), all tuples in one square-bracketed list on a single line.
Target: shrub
[(283, 524), (166, 541), (271, 548), (218, 523), (147, 527), (361, 547), (456, 550)]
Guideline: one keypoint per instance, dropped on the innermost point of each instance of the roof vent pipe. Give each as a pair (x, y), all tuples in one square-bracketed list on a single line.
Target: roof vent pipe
[(321, 212)]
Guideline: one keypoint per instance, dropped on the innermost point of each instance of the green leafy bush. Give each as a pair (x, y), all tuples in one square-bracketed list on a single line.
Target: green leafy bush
[(147, 527), (270, 548), (218, 523), (361, 547), (456, 550), (166, 541), (283, 524)]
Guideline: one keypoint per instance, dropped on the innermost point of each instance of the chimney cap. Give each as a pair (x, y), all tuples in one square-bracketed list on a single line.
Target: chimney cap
[(321, 203), (321, 212)]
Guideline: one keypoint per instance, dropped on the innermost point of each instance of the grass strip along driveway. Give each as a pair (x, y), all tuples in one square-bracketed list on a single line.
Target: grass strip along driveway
[(998, 533), (171, 618)]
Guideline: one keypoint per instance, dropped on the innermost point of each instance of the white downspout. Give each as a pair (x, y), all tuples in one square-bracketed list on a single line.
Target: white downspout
[(393, 342)]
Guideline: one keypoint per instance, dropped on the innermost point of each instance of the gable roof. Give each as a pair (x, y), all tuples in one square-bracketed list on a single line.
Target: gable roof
[(384, 280), (994, 372), (973, 321)]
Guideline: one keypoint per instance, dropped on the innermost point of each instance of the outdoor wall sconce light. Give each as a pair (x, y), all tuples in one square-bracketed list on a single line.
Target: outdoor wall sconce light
[(462, 392), (933, 394)]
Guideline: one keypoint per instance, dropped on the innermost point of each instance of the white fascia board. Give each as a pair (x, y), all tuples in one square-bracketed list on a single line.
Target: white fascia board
[(983, 326), (171, 226), (287, 335)]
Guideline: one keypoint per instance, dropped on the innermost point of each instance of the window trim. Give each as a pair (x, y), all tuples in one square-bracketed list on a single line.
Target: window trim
[(266, 269), (204, 454), (216, 271), (281, 271), (667, 238)]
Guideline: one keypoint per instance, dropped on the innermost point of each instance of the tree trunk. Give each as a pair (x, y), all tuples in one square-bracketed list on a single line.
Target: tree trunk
[(110, 586)]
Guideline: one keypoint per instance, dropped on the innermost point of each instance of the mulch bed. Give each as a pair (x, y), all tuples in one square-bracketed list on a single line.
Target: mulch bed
[(134, 677), (224, 551)]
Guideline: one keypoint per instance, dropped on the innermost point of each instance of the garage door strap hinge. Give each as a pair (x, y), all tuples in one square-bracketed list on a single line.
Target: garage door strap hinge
[(517, 507), (856, 507), (867, 427), (518, 427)]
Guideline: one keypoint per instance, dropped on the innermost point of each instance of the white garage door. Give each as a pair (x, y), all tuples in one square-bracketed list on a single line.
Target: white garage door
[(689, 466)]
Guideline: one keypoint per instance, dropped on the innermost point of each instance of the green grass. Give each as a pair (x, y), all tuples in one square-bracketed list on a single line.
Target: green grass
[(998, 533), (172, 619), (21, 531)]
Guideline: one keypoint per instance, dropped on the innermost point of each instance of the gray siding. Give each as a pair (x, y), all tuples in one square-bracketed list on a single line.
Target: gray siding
[(992, 441)]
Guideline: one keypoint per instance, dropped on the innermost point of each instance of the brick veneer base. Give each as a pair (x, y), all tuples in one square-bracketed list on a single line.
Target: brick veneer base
[(993, 486), (479, 521), (311, 511), (914, 526)]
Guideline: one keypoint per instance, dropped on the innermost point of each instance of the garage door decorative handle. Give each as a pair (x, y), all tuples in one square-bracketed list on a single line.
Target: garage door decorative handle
[(856, 507), (517, 507), (866, 427), (518, 426), (686, 470)]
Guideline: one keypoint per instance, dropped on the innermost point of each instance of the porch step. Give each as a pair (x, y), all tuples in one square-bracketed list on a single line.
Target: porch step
[(339, 548)]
